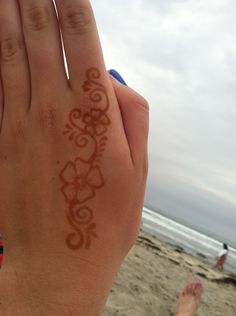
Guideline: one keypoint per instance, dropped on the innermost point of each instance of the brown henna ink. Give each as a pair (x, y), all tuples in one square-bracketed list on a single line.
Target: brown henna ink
[(82, 176)]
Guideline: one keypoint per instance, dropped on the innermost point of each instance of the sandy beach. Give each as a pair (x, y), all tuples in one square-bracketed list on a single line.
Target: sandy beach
[(152, 275)]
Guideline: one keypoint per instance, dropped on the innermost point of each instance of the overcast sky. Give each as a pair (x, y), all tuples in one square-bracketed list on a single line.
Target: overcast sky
[(181, 55)]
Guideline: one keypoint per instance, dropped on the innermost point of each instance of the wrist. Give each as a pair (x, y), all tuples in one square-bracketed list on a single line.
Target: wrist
[(34, 295)]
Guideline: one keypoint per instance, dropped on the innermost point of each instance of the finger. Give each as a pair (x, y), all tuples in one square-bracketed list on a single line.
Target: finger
[(134, 112), (80, 38), (44, 48), (14, 65)]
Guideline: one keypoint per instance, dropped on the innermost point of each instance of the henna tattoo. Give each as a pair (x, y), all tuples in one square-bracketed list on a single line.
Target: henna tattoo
[(82, 176)]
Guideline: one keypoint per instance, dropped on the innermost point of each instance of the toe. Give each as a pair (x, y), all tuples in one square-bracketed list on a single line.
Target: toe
[(190, 288), (198, 289)]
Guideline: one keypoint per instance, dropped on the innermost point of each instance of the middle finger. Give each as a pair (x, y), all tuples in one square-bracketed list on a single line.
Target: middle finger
[(43, 43)]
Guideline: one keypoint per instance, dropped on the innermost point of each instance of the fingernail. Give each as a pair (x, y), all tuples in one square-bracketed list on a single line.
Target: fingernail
[(1, 252), (117, 76)]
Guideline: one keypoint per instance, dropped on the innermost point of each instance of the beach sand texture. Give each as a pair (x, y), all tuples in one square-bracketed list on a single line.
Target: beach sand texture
[(154, 273)]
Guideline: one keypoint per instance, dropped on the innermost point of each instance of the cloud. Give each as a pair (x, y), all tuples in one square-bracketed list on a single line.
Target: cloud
[(181, 55)]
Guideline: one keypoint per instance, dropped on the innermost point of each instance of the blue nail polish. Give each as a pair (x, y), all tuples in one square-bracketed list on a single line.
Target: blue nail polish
[(117, 76), (1, 251)]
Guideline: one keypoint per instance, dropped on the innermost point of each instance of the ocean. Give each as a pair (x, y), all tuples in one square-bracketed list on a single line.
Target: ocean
[(193, 242)]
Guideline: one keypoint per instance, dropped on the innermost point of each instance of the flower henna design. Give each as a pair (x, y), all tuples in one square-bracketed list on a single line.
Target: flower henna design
[(80, 180), (82, 176), (96, 122)]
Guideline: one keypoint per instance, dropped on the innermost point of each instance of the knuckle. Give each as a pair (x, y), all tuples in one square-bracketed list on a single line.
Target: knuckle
[(47, 117), (14, 130), (37, 18), (19, 130), (76, 20), (10, 48), (143, 103)]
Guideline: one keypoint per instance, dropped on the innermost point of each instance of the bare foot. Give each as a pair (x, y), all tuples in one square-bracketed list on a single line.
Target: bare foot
[(189, 300)]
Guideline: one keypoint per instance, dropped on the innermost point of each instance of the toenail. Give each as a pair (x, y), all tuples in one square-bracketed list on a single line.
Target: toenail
[(198, 285)]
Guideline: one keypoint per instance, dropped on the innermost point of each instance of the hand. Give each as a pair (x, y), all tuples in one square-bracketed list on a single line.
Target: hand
[(73, 162)]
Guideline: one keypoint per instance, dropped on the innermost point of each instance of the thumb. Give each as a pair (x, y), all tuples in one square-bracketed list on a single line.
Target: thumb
[(135, 112)]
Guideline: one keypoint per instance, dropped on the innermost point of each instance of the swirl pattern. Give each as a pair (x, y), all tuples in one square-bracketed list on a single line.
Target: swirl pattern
[(82, 177)]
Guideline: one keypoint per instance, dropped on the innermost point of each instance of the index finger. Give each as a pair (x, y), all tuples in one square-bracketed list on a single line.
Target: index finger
[(80, 37)]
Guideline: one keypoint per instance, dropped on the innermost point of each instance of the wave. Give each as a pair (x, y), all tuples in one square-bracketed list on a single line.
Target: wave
[(191, 240)]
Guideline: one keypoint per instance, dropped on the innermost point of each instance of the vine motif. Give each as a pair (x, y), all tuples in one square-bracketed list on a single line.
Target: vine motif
[(82, 176)]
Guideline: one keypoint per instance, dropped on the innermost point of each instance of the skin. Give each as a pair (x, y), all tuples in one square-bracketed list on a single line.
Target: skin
[(189, 300), (47, 269), (220, 263)]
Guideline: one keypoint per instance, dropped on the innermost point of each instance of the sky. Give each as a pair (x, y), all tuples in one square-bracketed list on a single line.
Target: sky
[(181, 55)]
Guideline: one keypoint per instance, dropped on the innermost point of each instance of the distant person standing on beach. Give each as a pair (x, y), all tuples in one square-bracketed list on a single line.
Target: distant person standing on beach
[(222, 256)]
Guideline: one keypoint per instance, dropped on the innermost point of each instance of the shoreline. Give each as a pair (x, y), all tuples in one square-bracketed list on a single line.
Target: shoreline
[(154, 273), (207, 271)]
